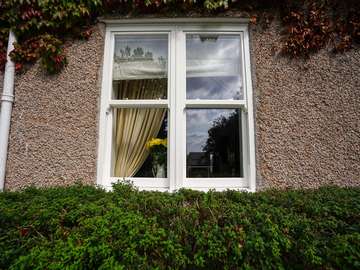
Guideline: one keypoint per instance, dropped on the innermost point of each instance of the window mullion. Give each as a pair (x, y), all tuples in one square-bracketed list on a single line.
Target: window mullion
[(105, 133), (250, 114), (172, 119), (180, 108)]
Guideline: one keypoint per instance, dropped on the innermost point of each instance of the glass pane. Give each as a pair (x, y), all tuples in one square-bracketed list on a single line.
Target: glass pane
[(140, 67), (140, 143), (213, 67), (213, 143)]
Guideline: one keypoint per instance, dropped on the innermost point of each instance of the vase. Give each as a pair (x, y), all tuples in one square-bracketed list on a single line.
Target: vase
[(159, 170)]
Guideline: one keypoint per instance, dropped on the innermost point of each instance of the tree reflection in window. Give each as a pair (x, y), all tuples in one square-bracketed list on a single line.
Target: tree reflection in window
[(221, 154), (138, 54)]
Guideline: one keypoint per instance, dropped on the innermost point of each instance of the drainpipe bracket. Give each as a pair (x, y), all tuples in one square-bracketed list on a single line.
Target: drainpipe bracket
[(7, 97), (9, 65)]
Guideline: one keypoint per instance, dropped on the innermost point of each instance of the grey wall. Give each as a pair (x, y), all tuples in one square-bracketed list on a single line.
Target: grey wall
[(53, 138), (307, 116)]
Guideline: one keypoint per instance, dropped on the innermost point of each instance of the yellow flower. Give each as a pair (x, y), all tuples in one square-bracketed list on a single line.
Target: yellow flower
[(156, 141)]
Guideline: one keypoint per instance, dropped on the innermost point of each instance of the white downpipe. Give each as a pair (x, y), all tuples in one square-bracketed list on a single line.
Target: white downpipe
[(7, 100)]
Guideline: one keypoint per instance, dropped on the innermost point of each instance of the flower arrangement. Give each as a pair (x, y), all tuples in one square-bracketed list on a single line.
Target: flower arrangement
[(156, 142), (158, 152)]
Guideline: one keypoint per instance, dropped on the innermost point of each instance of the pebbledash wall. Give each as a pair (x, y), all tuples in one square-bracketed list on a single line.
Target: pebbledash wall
[(307, 117)]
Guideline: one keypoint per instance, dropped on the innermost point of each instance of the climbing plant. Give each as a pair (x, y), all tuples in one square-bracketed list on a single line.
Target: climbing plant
[(42, 26)]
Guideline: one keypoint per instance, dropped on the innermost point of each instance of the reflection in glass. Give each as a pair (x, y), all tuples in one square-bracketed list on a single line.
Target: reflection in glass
[(140, 89), (133, 130), (213, 143), (213, 88), (213, 67), (140, 67)]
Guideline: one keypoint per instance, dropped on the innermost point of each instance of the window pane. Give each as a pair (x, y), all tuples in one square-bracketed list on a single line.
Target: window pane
[(213, 67), (140, 67), (140, 143), (213, 143)]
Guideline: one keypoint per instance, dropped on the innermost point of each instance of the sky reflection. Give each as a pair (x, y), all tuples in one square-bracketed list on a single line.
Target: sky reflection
[(213, 65), (214, 88)]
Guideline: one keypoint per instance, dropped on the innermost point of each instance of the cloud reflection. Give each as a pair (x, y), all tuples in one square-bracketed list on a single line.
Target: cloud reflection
[(214, 88), (213, 67), (224, 47)]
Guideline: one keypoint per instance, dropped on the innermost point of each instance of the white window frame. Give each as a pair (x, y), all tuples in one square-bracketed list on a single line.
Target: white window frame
[(176, 103)]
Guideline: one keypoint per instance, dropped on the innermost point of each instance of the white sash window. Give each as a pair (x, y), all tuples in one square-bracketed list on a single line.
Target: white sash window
[(186, 84)]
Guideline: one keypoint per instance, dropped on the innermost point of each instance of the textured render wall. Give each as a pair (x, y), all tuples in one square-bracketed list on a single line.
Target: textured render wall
[(307, 118), (53, 137)]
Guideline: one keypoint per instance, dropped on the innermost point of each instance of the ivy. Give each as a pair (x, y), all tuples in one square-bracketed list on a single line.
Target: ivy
[(42, 26), (46, 47), (319, 23)]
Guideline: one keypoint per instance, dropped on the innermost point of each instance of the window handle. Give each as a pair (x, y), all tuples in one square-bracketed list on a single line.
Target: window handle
[(244, 108), (108, 110)]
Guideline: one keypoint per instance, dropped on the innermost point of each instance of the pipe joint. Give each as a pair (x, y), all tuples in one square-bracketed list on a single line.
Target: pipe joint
[(8, 98), (10, 66)]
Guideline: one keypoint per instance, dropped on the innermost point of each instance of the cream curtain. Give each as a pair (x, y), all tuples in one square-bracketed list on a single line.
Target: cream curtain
[(134, 127)]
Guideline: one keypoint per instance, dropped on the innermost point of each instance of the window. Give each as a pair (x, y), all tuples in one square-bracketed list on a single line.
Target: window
[(176, 105)]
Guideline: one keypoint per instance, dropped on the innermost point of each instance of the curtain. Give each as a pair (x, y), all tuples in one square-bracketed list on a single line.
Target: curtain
[(134, 127)]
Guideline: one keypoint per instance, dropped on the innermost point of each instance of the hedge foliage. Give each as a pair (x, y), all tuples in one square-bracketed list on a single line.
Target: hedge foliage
[(83, 227)]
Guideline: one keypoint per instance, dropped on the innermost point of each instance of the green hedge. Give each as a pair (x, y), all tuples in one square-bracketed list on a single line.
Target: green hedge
[(83, 227)]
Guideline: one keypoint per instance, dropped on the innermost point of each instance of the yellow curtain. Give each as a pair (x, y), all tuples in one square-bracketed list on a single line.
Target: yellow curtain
[(134, 127)]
